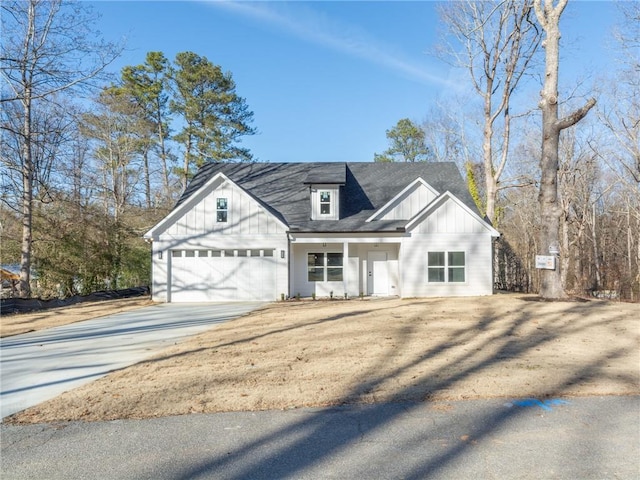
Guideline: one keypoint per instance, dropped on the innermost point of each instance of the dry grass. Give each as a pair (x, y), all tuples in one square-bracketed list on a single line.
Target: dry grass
[(297, 354)]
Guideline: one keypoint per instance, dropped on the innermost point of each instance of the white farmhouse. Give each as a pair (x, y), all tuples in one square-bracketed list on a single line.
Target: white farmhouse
[(258, 231)]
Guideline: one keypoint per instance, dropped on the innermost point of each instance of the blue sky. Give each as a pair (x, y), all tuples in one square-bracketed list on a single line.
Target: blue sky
[(325, 80)]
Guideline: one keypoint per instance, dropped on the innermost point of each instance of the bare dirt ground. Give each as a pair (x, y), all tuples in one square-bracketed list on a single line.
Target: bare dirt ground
[(320, 353)]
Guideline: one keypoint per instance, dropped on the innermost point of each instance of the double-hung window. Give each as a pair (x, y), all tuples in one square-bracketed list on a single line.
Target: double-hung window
[(324, 267), (446, 267), (221, 210), (325, 203)]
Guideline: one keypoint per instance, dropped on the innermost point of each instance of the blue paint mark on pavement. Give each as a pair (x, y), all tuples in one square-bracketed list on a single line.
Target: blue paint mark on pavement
[(545, 405)]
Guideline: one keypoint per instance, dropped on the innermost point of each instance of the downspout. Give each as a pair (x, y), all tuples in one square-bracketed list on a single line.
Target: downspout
[(345, 268), (289, 273)]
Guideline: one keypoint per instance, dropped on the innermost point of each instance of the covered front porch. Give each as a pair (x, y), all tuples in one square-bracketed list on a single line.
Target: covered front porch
[(327, 266)]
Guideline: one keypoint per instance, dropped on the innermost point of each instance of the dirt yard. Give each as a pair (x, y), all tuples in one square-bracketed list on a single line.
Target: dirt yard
[(320, 353)]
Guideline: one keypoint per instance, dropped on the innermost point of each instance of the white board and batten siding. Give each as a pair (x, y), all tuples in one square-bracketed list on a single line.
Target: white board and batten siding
[(356, 267), (457, 231), (300, 284), (450, 218), (245, 216), (410, 204), (478, 269), (198, 259)]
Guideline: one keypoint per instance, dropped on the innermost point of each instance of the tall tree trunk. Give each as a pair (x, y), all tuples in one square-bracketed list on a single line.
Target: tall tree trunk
[(491, 185), (596, 250), (163, 157), (550, 210), (629, 250), (187, 162), (147, 178), (564, 256), (637, 277), (24, 285), (498, 41)]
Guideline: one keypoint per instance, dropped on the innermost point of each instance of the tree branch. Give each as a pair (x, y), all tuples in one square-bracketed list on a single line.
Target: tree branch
[(576, 116)]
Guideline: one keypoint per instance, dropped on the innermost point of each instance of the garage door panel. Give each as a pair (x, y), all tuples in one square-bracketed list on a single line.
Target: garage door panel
[(263, 278), (221, 278), (188, 280)]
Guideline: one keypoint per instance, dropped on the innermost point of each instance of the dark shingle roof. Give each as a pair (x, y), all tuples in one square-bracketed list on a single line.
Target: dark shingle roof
[(327, 173), (283, 189)]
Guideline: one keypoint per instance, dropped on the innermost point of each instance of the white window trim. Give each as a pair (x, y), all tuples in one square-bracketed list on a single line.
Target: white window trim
[(225, 210), (446, 267), (316, 192), (321, 203), (325, 267)]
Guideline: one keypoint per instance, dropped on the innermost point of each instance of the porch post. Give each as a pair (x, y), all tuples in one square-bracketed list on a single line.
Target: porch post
[(345, 266)]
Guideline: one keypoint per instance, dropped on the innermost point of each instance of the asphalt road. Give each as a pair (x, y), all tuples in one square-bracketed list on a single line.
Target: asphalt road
[(38, 366), (570, 438)]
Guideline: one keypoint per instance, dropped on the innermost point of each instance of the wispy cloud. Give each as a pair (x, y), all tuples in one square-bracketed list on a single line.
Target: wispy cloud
[(316, 27)]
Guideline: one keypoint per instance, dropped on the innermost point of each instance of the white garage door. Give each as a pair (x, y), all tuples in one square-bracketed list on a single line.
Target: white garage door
[(222, 275)]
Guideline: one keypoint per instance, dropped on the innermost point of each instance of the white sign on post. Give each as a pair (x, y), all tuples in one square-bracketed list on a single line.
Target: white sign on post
[(546, 262)]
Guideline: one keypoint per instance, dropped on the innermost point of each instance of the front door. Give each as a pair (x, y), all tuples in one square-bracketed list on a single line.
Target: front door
[(377, 273)]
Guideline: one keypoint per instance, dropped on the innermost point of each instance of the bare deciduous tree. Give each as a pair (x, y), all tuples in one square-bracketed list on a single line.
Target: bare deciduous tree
[(577, 182), (48, 47), (548, 13), (620, 115), (499, 41)]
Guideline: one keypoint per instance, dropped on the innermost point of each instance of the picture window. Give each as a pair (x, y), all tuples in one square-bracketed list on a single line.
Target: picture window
[(324, 267)]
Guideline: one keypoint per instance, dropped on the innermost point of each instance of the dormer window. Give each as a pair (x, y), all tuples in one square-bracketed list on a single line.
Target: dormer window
[(325, 180), (325, 203)]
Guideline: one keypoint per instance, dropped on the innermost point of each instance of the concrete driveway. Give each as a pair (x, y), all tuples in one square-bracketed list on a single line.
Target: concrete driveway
[(38, 366)]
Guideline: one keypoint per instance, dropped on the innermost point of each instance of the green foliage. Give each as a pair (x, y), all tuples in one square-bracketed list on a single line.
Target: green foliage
[(82, 250), (148, 85), (382, 158), (407, 144), (215, 117), (472, 185)]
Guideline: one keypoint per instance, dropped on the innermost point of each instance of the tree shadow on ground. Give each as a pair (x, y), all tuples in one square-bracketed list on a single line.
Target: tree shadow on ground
[(313, 439)]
